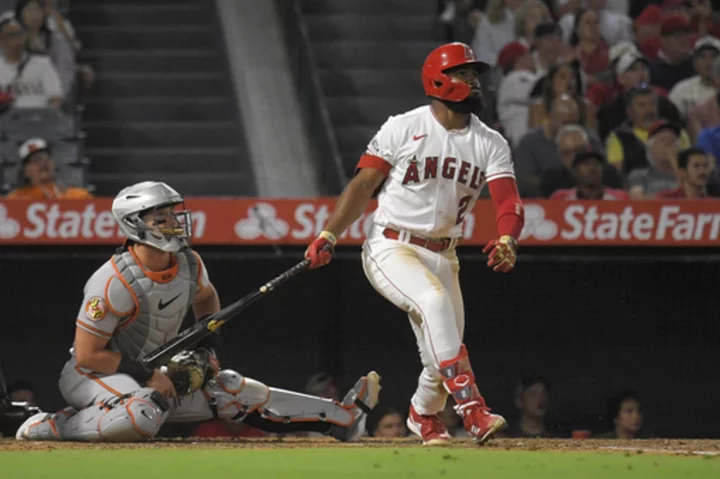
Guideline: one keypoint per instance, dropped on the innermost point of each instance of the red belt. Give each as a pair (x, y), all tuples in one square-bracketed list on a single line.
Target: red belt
[(434, 245)]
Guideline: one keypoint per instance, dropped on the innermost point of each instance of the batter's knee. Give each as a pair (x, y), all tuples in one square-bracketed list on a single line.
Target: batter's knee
[(435, 303), (136, 417), (237, 395)]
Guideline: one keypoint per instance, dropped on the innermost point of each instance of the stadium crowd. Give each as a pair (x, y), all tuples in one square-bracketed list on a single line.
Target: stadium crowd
[(601, 99), (42, 89)]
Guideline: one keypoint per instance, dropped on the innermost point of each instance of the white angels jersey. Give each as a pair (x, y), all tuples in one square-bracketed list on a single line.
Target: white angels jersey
[(434, 175)]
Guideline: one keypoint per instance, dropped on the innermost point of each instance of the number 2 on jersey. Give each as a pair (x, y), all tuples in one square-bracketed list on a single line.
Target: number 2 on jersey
[(462, 208)]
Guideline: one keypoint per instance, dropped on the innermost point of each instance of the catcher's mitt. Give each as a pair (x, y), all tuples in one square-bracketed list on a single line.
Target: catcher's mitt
[(191, 370)]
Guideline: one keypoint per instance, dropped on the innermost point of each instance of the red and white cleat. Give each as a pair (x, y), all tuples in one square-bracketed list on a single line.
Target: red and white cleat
[(479, 422), (431, 429)]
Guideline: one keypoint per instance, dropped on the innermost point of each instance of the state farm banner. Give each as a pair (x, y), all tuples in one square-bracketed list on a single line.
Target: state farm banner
[(258, 221)]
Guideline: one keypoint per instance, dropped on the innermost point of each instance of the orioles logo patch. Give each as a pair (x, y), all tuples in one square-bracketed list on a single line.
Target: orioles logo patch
[(95, 308)]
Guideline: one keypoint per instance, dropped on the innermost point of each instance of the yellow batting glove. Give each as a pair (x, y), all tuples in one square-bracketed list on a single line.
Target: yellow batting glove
[(502, 254)]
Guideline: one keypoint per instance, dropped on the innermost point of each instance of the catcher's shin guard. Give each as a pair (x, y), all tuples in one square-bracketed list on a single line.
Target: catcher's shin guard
[(459, 380), (288, 411), (133, 417)]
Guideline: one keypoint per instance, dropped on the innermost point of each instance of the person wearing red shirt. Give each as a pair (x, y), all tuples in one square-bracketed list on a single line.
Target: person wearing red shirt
[(693, 172), (588, 170)]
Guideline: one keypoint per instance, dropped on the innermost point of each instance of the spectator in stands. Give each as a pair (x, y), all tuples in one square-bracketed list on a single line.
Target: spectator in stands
[(23, 391), (662, 149), (549, 48), (702, 19), (615, 26), (709, 141), (462, 18), (674, 62), (693, 172), (648, 23), (587, 169), (532, 399), (570, 140), (631, 70), (495, 30), (37, 175), (536, 151), (605, 91), (627, 418), (696, 89), (590, 48), (323, 385), (513, 104), (706, 114), (561, 80), (31, 80), (625, 145), (386, 423), (527, 18)]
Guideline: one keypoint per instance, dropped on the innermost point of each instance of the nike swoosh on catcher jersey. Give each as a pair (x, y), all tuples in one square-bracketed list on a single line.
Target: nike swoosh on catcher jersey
[(162, 305)]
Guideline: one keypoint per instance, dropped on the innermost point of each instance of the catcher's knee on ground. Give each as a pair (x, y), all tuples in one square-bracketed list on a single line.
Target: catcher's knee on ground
[(133, 417)]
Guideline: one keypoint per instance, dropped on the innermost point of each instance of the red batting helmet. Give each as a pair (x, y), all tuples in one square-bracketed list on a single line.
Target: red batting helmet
[(439, 85)]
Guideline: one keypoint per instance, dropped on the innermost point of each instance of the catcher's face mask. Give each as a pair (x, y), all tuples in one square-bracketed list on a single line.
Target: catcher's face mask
[(170, 221)]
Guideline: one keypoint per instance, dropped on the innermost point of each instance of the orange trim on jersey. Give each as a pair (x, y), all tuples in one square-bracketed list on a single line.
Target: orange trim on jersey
[(372, 161), (162, 277), (127, 322), (97, 380), (201, 288), (90, 329), (109, 304)]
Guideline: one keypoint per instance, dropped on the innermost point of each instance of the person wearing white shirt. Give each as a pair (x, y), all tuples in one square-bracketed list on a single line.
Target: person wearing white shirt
[(694, 90), (513, 104), (495, 30), (615, 27), (31, 79)]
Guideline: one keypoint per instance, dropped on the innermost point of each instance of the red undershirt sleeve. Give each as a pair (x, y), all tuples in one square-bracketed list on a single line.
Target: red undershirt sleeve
[(371, 161), (508, 206)]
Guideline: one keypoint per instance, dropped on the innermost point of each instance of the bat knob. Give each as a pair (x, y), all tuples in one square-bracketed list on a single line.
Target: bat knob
[(263, 289)]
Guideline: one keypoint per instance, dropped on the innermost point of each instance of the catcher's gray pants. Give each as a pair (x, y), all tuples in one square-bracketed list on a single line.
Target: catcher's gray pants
[(116, 408)]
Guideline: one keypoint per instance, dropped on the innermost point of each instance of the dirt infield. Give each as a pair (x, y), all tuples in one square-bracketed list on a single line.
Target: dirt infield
[(709, 448)]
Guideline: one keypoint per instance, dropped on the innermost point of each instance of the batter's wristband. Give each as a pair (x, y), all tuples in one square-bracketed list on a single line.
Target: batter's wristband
[(329, 236), (135, 370)]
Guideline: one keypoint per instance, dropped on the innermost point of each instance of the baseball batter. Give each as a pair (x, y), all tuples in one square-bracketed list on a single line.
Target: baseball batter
[(136, 302), (428, 167)]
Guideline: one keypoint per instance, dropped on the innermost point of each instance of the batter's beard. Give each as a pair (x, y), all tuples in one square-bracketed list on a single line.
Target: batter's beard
[(471, 104)]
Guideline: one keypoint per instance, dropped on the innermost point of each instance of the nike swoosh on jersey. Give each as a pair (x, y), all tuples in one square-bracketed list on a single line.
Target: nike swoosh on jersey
[(419, 137), (162, 305)]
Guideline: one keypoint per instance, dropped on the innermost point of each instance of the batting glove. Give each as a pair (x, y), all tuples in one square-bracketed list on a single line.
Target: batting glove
[(502, 254), (321, 250)]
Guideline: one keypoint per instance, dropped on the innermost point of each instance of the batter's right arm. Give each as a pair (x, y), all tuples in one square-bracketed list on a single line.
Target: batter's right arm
[(352, 203)]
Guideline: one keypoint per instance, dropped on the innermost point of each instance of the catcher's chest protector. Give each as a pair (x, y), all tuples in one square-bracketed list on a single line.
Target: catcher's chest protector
[(161, 305)]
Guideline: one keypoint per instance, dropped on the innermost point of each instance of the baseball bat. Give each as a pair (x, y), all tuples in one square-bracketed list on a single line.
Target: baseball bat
[(195, 333)]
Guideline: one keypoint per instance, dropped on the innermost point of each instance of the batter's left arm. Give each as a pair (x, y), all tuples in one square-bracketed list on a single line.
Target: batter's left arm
[(510, 219)]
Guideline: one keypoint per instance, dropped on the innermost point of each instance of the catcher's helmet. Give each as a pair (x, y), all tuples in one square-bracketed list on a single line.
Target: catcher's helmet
[(444, 87)]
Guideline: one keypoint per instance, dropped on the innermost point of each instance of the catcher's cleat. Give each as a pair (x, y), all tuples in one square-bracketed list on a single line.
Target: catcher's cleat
[(361, 399), (431, 429), (479, 422), (40, 426)]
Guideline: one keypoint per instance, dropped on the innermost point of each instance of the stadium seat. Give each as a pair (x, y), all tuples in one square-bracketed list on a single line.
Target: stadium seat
[(20, 124)]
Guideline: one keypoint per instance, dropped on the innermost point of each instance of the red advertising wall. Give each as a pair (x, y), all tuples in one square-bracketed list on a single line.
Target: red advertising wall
[(249, 221)]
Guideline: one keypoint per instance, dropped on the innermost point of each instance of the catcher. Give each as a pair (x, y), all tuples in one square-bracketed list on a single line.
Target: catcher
[(136, 302)]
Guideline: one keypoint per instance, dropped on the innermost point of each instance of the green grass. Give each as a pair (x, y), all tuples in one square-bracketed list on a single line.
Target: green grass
[(347, 463)]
